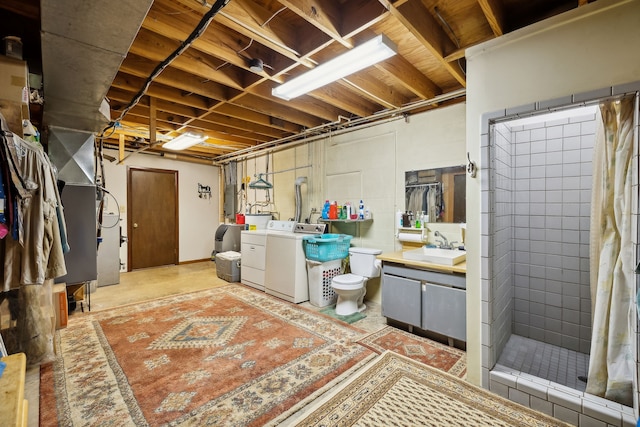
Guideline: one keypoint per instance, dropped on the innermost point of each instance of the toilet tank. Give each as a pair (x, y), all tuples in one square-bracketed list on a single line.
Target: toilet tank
[(363, 261)]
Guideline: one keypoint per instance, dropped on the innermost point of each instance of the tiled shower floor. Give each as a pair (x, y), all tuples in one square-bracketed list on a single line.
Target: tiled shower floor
[(546, 361)]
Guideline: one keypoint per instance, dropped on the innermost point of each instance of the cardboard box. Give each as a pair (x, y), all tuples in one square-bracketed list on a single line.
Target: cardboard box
[(14, 78), (14, 113), (60, 305)]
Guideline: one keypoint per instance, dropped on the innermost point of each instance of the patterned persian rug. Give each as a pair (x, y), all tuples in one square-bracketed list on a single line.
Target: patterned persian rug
[(395, 390), (429, 352), (224, 356)]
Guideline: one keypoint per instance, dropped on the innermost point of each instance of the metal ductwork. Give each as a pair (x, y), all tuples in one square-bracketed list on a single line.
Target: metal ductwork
[(83, 45), (72, 153), (299, 181)]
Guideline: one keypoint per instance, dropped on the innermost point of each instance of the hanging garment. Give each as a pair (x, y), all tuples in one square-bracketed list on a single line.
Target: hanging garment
[(37, 253)]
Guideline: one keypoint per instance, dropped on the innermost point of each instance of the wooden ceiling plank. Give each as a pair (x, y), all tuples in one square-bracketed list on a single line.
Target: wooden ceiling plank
[(417, 19), (264, 106), (256, 117), (131, 83), (251, 30), (234, 131), (409, 76), (135, 121), (305, 104), (157, 48), (259, 134), (236, 123), (27, 8), (251, 16), (143, 121), (494, 12), (216, 41), (190, 83), (163, 116), (358, 16), (133, 131), (124, 96), (241, 113), (175, 29), (325, 15), (171, 30), (380, 94), (336, 96)]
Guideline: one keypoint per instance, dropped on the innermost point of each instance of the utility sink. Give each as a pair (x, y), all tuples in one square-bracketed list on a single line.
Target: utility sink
[(436, 255)]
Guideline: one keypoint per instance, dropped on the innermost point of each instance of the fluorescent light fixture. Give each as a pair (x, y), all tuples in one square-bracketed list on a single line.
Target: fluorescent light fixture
[(375, 50), (183, 141)]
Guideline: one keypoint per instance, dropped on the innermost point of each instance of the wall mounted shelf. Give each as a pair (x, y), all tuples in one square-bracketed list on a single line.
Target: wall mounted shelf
[(357, 222)]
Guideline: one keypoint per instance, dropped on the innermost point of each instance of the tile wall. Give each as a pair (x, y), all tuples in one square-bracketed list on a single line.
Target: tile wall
[(540, 203), (502, 289), (551, 222)]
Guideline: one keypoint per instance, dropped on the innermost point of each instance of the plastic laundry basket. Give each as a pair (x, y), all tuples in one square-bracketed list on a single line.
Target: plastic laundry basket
[(320, 274), (326, 247)]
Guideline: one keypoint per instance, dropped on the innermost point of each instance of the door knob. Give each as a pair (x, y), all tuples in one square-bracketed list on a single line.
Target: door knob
[(135, 225)]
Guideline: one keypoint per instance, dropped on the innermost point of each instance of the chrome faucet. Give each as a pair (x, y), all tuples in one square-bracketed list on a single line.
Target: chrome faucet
[(444, 243)]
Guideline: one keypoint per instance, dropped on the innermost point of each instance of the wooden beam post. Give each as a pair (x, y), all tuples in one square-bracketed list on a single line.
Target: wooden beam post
[(152, 121), (121, 148)]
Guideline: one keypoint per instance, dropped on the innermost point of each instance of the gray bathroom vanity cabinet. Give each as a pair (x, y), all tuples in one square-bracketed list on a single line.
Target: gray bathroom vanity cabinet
[(425, 296)]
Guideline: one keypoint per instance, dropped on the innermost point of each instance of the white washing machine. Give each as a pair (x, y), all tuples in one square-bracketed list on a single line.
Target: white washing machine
[(286, 265)]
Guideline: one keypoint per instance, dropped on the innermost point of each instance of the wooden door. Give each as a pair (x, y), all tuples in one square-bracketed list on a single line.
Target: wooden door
[(152, 223)]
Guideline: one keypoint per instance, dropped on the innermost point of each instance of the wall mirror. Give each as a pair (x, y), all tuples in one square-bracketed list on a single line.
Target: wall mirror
[(440, 193)]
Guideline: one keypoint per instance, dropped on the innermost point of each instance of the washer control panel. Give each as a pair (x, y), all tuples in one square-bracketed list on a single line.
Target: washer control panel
[(310, 228)]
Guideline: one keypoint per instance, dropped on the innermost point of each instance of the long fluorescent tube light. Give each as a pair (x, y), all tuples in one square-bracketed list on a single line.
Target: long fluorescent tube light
[(183, 141), (375, 50)]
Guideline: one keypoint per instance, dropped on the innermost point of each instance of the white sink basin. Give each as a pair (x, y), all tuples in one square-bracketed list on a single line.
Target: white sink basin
[(436, 255)]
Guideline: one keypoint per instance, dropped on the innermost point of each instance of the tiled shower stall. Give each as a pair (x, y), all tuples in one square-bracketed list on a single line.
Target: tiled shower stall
[(536, 209), (542, 201)]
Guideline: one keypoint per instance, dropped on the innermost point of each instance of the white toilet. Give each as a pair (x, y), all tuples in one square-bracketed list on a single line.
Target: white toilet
[(352, 287)]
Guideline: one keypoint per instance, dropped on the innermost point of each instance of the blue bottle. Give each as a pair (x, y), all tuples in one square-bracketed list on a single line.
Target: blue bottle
[(325, 210), (361, 210)]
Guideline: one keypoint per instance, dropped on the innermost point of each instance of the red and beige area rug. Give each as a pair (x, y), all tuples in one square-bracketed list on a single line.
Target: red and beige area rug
[(395, 390), (224, 356), (424, 350)]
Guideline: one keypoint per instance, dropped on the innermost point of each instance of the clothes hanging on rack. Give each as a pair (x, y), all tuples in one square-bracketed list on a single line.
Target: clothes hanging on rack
[(425, 198), (37, 253), (33, 251)]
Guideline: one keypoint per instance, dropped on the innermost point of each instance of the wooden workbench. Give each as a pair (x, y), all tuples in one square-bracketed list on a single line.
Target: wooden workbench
[(13, 405)]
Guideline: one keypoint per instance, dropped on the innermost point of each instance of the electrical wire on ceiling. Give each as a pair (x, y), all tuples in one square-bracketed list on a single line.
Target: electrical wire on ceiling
[(197, 32), (453, 35), (273, 16)]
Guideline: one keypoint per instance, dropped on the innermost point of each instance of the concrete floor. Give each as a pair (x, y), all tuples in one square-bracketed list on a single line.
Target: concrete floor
[(159, 282)]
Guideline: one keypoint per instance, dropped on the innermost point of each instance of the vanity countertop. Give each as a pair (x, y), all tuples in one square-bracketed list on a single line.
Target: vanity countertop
[(398, 258)]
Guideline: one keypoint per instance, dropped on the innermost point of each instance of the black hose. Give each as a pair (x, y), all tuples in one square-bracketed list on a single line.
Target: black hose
[(197, 32)]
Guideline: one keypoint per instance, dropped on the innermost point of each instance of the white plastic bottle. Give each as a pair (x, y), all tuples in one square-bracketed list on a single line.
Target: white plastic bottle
[(361, 210)]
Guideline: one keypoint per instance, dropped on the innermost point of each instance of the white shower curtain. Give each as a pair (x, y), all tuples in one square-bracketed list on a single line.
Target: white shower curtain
[(611, 364)]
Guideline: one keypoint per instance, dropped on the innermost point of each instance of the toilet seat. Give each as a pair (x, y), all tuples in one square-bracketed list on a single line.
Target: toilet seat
[(347, 282)]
